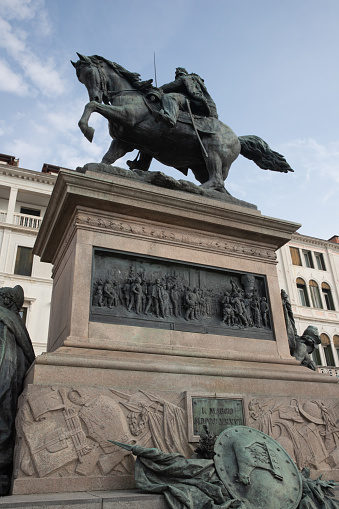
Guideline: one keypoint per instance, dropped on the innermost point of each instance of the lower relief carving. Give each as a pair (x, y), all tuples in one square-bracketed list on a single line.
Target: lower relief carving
[(64, 432), (308, 430)]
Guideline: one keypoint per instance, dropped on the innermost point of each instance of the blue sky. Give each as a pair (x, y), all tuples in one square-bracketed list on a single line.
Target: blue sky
[(271, 67)]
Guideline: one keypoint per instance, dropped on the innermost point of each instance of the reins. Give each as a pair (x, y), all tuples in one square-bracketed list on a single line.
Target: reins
[(114, 94)]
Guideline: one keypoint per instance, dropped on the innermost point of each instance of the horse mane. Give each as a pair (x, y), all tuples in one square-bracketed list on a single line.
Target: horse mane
[(132, 77)]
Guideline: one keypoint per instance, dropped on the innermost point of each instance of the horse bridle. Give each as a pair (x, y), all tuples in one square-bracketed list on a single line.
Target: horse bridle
[(103, 83)]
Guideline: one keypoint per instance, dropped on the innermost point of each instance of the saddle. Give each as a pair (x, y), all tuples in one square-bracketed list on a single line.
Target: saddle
[(205, 125)]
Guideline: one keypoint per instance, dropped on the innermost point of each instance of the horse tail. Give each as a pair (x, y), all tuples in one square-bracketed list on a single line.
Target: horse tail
[(257, 150)]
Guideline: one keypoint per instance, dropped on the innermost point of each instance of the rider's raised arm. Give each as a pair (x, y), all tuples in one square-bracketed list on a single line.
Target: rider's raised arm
[(174, 86)]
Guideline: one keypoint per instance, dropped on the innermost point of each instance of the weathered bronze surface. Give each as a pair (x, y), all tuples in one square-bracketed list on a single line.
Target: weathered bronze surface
[(156, 122), (216, 413), (257, 470), (289, 320), (249, 470), (16, 356), (160, 179), (301, 347), (151, 292), (305, 345)]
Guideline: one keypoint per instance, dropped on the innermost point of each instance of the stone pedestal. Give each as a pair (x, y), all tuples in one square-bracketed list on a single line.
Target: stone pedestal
[(117, 370)]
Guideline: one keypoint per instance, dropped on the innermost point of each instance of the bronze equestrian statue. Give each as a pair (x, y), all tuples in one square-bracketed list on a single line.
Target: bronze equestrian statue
[(176, 124)]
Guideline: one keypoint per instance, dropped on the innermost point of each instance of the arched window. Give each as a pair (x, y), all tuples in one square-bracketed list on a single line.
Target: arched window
[(336, 343), (326, 344), (316, 357), (315, 294), (326, 290), (302, 290)]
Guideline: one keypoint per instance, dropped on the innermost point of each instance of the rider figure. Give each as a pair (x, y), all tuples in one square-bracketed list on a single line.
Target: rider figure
[(189, 86), (172, 97)]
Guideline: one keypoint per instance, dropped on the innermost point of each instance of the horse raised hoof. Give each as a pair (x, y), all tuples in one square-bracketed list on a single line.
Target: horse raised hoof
[(89, 133)]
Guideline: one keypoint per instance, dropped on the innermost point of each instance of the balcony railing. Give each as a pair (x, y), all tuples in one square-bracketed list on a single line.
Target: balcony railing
[(27, 221), (328, 371), (24, 220)]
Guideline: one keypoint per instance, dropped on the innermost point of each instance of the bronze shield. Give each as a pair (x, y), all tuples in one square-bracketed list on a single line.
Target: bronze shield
[(257, 470)]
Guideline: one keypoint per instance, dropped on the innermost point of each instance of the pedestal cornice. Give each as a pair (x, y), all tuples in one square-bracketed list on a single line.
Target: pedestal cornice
[(144, 201)]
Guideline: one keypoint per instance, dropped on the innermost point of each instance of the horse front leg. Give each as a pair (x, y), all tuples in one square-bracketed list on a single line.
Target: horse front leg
[(86, 130), (116, 150), (111, 113)]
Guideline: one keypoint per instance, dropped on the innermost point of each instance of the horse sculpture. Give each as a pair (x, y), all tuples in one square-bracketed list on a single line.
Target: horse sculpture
[(133, 124)]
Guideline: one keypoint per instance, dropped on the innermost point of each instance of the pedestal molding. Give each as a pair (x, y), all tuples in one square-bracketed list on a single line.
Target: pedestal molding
[(56, 359), (180, 352)]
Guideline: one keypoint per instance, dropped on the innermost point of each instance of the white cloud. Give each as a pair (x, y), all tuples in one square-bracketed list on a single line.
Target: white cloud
[(42, 74), (27, 10), (13, 44), (52, 135), (11, 81), (44, 23), (66, 116), (318, 161), (27, 151), (20, 9), (5, 129)]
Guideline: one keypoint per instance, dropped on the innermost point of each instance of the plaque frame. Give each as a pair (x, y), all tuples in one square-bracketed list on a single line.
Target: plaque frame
[(192, 437), (202, 272)]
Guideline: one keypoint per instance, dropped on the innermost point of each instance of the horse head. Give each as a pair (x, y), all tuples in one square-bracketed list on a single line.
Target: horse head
[(90, 73), (104, 78)]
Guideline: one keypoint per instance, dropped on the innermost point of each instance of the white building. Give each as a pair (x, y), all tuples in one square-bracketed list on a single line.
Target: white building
[(24, 195), (308, 270)]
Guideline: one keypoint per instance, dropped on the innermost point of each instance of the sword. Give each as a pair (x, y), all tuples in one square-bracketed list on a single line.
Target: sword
[(195, 128)]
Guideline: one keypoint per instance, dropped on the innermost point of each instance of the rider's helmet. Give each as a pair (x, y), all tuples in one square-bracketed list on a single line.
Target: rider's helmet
[(180, 71)]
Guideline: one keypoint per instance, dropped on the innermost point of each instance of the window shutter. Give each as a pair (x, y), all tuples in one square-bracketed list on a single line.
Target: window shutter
[(295, 255), (325, 340)]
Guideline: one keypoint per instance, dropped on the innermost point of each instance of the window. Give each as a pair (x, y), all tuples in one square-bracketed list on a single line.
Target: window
[(302, 290), (23, 314), (325, 341), (316, 357), (308, 259), (24, 261), (336, 343), (326, 290), (30, 212), (329, 356), (319, 257), (295, 255), (315, 294)]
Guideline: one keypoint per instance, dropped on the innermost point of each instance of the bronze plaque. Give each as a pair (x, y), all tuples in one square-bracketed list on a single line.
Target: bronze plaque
[(216, 413), (145, 291)]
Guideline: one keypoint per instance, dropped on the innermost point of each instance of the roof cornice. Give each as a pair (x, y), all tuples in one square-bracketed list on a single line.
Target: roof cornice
[(29, 175), (305, 239)]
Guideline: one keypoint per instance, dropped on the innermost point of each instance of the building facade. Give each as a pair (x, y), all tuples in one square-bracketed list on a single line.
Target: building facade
[(308, 270), (24, 196)]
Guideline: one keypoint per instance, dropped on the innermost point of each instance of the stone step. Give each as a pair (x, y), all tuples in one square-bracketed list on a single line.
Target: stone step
[(131, 499)]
